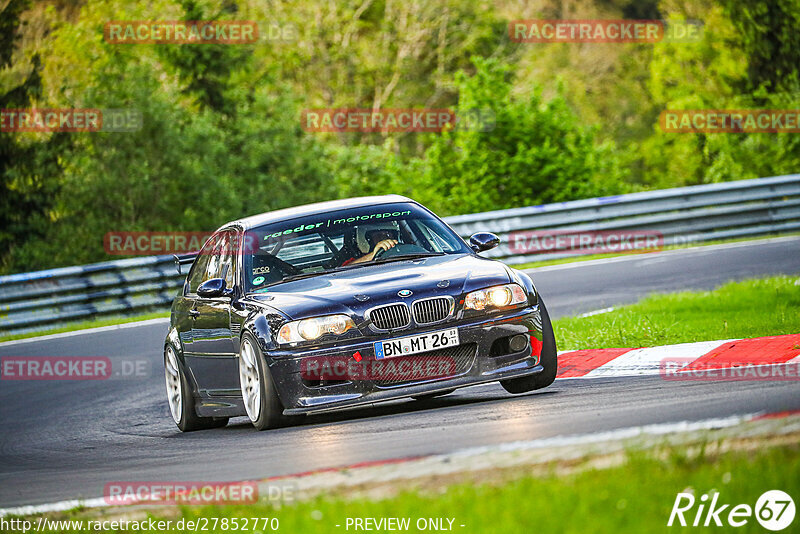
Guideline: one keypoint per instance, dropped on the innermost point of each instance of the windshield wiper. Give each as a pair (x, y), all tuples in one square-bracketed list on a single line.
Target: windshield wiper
[(401, 257), (300, 276), (291, 278), (409, 256)]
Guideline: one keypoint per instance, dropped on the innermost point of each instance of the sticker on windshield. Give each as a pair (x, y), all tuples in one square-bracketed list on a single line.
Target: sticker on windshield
[(260, 270), (335, 222), (258, 280)]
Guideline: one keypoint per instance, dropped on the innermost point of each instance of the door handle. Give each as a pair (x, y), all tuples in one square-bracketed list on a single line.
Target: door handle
[(194, 314)]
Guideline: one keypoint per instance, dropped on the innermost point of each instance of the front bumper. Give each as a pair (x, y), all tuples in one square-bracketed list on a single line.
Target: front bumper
[(490, 364)]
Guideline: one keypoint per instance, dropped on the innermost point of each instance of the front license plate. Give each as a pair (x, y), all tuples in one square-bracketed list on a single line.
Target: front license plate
[(404, 346)]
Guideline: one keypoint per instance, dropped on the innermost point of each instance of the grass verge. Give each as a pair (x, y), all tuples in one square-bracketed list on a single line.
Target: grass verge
[(750, 308), (108, 321), (635, 496)]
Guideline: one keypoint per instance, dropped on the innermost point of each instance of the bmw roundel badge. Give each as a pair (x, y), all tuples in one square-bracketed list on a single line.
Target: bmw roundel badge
[(405, 293)]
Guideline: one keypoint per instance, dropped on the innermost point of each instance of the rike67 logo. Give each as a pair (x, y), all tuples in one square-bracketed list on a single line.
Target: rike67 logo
[(774, 510)]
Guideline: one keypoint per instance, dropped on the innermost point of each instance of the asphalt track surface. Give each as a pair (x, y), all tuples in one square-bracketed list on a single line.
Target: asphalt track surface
[(66, 439)]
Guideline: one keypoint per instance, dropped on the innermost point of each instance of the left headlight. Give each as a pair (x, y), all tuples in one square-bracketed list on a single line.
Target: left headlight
[(495, 297), (314, 327)]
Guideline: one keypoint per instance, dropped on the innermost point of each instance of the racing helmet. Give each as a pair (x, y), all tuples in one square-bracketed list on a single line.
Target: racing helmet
[(367, 235)]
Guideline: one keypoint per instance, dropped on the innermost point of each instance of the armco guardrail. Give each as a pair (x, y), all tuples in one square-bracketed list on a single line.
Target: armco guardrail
[(682, 215), (47, 299)]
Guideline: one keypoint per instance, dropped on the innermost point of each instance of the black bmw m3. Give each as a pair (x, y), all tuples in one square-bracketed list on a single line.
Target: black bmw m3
[(347, 303)]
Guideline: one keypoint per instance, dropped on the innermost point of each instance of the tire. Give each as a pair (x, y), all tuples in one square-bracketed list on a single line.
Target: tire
[(429, 396), (180, 399), (549, 361), (261, 402)]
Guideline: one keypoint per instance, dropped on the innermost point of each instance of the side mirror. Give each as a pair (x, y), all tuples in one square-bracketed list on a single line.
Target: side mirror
[(214, 287), (483, 241)]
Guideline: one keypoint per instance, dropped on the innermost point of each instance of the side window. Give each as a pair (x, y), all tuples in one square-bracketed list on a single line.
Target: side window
[(214, 266), (200, 266), (220, 262), (435, 239), (227, 249)]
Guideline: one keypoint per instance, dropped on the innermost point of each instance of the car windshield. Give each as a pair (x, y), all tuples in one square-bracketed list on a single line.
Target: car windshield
[(344, 239)]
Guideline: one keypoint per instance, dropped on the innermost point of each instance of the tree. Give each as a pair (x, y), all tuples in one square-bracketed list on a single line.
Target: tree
[(771, 42), (28, 162), (536, 152)]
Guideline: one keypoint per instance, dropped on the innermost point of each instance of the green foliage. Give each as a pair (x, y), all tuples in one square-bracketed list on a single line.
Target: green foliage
[(204, 71), (25, 163), (221, 134), (537, 151), (770, 40), (363, 170), (713, 74), (218, 152), (9, 26)]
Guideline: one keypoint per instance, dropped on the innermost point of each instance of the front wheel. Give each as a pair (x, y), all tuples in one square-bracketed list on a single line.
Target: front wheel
[(548, 359), (180, 399), (261, 401)]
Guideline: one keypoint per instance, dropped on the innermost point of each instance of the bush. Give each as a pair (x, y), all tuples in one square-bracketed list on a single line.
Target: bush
[(536, 153)]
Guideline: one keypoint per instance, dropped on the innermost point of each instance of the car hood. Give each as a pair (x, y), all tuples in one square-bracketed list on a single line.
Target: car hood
[(353, 291)]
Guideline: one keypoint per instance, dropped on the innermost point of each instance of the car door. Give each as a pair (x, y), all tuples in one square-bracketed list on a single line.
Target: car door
[(183, 310), (213, 356)]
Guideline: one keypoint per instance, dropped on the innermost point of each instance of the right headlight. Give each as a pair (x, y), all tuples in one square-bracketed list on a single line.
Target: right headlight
[(495, 297), (314, 327)]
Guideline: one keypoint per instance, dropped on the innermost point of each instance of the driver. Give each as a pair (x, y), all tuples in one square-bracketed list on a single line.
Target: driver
[(377, 238)]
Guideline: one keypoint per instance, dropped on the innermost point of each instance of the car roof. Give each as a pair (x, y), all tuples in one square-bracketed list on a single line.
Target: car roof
[(320, 207)]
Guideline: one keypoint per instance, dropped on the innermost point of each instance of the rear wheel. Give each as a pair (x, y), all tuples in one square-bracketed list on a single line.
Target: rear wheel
[(549, 360), (261, 401), (180, 398)]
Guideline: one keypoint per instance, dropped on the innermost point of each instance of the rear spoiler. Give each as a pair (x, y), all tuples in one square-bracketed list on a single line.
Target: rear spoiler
[(184, 259)]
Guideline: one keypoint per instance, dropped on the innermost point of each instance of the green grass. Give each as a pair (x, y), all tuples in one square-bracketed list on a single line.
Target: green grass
[(634, 497), (108, 321), (752, 308)]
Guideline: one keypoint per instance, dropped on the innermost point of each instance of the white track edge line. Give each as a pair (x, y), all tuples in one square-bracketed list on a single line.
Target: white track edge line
[(83, 331)]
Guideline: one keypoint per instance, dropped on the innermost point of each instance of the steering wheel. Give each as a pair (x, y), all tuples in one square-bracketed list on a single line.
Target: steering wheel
[(399, 250)]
